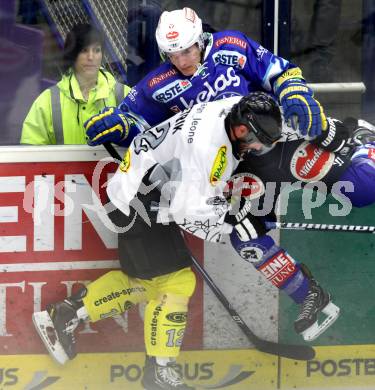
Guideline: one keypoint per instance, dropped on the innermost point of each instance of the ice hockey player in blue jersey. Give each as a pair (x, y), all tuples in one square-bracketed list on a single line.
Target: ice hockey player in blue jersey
[(201, 67)]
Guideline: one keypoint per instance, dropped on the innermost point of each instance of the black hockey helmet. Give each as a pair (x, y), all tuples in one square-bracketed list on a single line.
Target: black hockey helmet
[(260, 113)]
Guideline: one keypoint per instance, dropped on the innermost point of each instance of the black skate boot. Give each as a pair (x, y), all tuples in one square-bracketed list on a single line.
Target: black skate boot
[(56, 326), (317, 300), (157, 377)]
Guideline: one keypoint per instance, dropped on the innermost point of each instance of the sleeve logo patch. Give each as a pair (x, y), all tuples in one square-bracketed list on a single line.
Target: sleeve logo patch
[(125, 163), (219, 166), (229, 58), (161, 77), (310, 163), (278, 269), (231, 41), (244, 185), (171, 90)]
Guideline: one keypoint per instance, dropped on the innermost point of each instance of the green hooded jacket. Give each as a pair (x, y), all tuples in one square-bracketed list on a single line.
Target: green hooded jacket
[(38, 127)]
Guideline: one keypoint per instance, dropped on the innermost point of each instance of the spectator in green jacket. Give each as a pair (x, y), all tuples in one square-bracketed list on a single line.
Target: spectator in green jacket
[(58, 113)]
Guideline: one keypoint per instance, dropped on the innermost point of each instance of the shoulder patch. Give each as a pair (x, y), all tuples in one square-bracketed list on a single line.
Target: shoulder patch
[(229, 58), (161, 77), (232, 41), (310, 163), (220, 163)]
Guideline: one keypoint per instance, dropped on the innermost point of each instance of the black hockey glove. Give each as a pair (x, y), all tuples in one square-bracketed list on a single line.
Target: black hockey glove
[(334, 137), (247, 226)]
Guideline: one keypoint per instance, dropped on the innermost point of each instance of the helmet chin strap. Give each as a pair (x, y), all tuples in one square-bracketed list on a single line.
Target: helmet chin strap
[(198, 67)]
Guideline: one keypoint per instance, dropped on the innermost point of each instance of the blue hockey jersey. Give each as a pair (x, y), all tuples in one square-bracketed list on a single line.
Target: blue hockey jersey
[(232, 65)]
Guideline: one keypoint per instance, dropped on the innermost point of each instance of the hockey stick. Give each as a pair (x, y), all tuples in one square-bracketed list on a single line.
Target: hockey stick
[(324, 227), (112, 151), (296, 352), (290, 351)]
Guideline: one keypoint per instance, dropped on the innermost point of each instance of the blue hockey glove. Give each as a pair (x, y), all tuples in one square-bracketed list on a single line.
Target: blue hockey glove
[(247, 226), (111, 125), (297, 100)]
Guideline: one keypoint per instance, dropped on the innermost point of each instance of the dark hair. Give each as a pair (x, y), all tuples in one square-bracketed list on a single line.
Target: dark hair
[(79, 37)]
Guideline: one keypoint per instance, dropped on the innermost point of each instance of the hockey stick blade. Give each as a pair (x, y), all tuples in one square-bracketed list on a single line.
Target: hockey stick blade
[(290, 351)]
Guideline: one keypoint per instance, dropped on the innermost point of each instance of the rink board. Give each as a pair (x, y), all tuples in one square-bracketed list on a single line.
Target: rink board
[(43, 262), (52, 242), (46, 255), (343, 263), (343, 367)]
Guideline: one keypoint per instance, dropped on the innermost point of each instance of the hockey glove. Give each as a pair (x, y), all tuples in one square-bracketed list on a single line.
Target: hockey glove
[(247, 226), (297, 100), (335, 137), (111, 125)]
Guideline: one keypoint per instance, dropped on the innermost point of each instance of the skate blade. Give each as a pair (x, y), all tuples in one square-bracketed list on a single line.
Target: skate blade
[(367, 125), (332, 312), (45, 328)]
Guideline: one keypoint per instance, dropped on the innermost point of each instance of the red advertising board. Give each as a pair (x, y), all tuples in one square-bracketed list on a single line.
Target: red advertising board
[(51, 242)]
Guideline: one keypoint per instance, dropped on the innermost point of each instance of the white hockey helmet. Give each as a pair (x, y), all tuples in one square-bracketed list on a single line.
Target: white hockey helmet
[(178, 30)]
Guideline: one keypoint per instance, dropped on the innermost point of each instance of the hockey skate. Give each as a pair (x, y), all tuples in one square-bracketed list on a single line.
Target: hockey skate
[(316, 301), (157, 377), (363, 131), (56, 327)]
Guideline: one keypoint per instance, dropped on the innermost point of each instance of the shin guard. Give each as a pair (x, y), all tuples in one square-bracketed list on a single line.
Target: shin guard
[(165, 322), (281, 269)]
